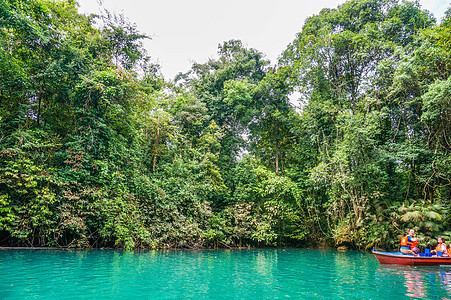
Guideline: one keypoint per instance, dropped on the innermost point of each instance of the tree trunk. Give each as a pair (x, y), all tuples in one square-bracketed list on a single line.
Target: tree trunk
[(155, 150), (155, 146)]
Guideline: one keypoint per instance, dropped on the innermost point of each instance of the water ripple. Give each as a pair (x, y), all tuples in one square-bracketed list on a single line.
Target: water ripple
[(267, 274)]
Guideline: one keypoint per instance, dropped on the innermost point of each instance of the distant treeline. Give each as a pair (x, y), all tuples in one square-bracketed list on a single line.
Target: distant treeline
[(97, 149)]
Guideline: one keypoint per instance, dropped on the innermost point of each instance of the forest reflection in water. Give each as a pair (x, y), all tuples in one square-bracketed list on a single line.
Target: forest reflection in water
[(419, 282)]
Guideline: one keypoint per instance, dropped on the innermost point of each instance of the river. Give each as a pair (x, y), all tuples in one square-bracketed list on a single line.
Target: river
[(243, 274)]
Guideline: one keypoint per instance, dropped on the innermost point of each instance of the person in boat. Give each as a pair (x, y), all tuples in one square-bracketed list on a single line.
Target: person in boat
[(441, 247), (409, 243)]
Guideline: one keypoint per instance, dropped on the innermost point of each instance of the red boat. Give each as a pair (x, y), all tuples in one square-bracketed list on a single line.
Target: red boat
[(398, 258)]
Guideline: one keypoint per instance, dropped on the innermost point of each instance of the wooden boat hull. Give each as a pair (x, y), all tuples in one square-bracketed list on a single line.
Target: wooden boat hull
[(398, 258)]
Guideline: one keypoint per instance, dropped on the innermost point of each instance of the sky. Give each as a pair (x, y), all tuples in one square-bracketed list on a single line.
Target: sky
[(187, 31)]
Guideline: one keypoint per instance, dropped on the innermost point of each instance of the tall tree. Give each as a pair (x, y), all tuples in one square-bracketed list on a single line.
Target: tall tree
[(339, 63)]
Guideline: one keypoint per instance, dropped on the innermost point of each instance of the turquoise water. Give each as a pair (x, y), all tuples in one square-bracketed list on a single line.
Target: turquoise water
[(247, 274)]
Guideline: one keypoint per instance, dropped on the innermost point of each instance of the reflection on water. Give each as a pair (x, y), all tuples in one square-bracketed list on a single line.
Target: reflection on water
[(446, 279), (420, 282), (265, 274), (414, 284)]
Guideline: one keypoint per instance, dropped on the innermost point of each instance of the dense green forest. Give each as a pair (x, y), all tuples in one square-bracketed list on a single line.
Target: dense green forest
[(97, 149)]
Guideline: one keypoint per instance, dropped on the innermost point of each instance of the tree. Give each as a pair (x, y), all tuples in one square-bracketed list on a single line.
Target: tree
[(344, 63)]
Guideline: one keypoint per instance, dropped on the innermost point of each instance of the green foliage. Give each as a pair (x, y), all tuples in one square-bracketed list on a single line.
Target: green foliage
[(27, 190), (276, 200), (98, 150), (370, 73), (427, 219), (120, 41)]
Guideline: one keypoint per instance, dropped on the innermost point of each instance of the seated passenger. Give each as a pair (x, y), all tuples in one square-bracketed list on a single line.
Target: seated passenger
[(408, 243), (413, 247), (441, 247)]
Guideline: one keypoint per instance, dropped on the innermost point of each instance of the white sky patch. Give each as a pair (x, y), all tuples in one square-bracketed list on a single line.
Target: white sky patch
[(186, 31), (296, 101)]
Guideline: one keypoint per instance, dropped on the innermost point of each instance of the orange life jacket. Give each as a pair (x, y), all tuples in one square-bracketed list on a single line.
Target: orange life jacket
[(442, 247), (405, 242)]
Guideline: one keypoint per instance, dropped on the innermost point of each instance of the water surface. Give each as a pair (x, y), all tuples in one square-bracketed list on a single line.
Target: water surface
[(245, 274)]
